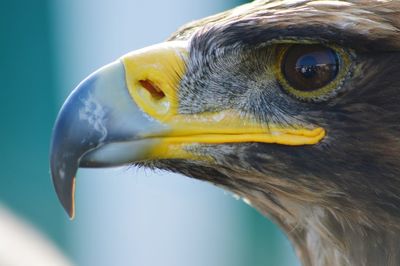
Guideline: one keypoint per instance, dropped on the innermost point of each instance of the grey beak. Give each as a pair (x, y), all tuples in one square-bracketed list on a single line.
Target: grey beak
[(96, 119)]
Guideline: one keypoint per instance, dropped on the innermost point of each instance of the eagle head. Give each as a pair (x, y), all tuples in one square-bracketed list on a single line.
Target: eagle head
[(293, 105)]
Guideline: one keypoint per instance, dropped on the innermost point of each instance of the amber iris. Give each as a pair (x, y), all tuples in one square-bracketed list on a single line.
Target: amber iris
[(310, 67)]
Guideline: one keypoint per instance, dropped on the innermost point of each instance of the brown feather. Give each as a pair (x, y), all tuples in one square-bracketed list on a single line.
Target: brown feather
[(339, 202)]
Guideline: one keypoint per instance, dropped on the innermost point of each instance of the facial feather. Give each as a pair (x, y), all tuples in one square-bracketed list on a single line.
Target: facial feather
[(331, 198)]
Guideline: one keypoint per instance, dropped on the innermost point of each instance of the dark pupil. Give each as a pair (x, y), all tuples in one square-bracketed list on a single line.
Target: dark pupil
[(310, 67)]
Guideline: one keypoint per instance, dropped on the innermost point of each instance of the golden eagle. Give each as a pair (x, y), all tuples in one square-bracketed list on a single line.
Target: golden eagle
[(291, 104)]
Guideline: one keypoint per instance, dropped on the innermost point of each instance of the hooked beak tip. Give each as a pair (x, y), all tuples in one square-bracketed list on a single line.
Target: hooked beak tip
[(68, 201), (71, 209), (65, 190)]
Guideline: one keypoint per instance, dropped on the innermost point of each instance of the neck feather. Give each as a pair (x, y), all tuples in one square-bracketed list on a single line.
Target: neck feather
[(325, 241), (323, 238)]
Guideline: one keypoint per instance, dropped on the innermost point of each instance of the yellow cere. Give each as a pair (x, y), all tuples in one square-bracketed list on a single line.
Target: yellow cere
[(160, 66), (153, 77)]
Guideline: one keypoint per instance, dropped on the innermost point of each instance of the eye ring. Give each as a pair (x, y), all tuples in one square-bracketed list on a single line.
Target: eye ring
[(312, 72)]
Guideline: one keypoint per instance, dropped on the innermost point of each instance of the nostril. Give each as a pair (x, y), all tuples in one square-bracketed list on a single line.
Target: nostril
[(155, 91)]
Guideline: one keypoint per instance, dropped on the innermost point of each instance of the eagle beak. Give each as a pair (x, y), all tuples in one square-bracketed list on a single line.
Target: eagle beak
[(98, 112), (100, 125), (128, 112)]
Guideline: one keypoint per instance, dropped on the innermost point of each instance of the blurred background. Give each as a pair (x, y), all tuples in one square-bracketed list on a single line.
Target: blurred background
[(123, 216)]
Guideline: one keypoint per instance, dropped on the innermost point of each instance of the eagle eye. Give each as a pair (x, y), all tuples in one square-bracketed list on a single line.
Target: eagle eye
[(312, 71)]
